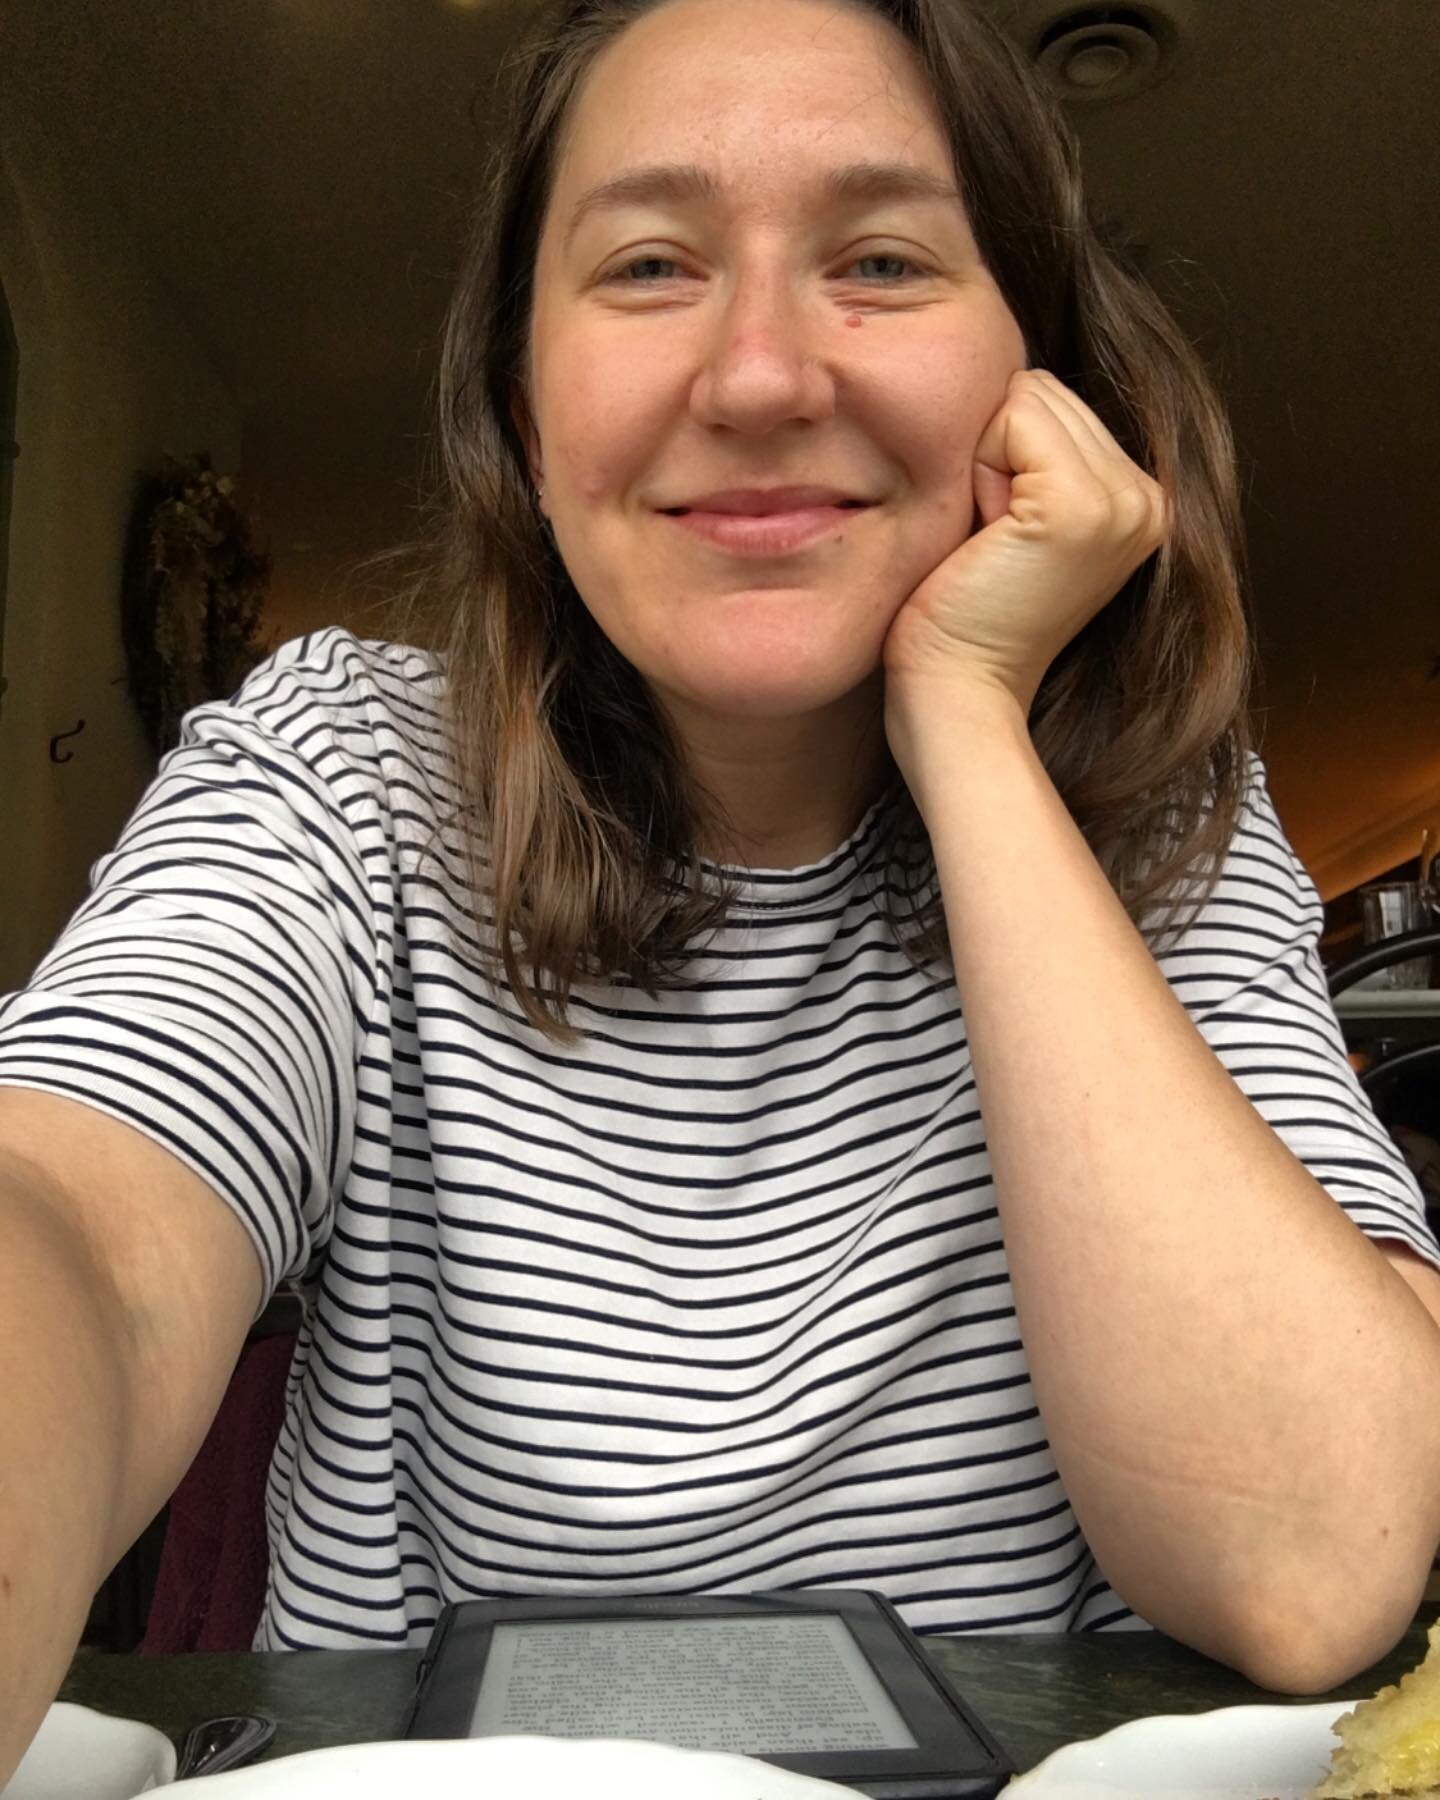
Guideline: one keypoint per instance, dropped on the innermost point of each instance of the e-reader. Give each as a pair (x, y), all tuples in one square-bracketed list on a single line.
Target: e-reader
[(827, 1682)]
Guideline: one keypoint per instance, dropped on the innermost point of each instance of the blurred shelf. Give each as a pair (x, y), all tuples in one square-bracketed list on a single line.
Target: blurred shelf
[(1403, 1016), (1386, 1003)]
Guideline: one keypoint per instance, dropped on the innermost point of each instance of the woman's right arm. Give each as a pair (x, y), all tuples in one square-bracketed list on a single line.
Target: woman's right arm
[(126, 1290)]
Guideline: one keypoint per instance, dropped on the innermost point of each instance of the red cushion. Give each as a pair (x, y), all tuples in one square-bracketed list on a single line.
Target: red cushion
[(215, 1559)]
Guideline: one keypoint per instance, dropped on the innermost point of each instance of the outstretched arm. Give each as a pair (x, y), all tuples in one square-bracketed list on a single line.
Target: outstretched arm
[(126, 1288)]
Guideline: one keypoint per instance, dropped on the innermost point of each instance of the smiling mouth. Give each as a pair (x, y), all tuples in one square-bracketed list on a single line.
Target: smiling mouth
[(764, 534), (680, 512)]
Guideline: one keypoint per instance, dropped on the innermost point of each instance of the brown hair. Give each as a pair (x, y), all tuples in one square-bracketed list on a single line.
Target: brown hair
[(580, 819)]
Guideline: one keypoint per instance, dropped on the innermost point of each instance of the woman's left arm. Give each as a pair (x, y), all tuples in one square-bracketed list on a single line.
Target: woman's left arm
[(1241, 1390)]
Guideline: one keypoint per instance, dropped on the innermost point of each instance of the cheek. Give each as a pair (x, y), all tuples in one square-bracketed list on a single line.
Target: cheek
[(602, 415), (939, 404), (957, 389)]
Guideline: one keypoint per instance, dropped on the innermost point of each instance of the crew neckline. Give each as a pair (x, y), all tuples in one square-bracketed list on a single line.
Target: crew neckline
[(786, 887)]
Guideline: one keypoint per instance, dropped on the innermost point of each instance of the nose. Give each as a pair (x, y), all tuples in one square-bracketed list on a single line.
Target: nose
[(762, 365)]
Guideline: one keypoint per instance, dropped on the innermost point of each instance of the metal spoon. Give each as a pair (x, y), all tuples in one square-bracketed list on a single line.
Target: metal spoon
[(220, 1744)]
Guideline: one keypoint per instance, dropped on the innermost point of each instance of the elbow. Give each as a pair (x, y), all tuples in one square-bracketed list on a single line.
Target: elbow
[(1304, 1631), (1300, 1669), (1307, 1650)]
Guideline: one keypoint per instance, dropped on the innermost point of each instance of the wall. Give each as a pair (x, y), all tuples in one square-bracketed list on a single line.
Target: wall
[(1370, 854), (110, 376)]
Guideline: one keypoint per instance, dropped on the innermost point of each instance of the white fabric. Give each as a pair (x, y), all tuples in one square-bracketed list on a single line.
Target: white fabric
[(715, 1301)]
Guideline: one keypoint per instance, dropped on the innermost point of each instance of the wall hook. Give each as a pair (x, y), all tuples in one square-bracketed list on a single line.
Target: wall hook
[(59, 738)]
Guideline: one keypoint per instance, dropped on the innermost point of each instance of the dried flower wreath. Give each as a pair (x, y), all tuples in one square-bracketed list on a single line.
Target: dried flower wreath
[(192, 595)]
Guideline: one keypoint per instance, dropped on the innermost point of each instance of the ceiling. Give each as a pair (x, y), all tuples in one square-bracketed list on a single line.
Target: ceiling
[(296, 173)]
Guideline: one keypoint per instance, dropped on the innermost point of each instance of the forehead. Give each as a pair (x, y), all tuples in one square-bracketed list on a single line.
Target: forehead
[(768, 86)]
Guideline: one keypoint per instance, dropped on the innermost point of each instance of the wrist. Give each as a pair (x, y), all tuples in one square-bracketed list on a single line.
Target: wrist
[(939, 731)]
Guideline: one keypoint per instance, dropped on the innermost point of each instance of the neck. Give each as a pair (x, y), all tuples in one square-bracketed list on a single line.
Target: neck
[(787, 817)]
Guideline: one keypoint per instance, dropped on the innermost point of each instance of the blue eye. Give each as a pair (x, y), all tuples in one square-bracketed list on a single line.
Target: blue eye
[(640, 262), (621, 276), (903, 261)]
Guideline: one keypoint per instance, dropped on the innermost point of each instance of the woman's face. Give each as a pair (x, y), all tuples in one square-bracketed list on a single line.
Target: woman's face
[(758, 325)]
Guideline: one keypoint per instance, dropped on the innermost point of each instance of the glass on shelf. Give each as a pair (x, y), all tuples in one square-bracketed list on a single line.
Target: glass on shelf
[(1388, 909), (1429, 880)]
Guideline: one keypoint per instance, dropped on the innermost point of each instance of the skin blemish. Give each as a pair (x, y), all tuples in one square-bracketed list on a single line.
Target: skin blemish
[(854, 319)]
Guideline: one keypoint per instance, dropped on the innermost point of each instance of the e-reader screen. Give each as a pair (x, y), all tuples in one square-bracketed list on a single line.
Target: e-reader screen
[(758, 1684)]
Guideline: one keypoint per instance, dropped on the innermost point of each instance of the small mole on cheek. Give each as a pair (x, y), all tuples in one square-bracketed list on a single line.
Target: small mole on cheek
[(854, 319)]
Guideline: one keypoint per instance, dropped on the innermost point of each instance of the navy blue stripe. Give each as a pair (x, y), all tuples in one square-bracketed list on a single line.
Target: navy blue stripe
[(716, 1296)]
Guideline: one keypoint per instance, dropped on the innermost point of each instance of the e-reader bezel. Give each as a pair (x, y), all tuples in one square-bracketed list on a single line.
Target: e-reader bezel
[(954, 1755)]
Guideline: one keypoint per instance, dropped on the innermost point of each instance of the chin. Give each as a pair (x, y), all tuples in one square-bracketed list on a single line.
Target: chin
[(769, 691)]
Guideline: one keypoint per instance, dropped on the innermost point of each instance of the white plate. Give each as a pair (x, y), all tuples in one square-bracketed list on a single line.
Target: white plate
[(518, 1768), (1238, 1753), (78, 1754)]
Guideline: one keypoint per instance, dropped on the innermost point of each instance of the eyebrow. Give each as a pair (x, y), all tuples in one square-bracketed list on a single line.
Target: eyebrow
[(678, 184)]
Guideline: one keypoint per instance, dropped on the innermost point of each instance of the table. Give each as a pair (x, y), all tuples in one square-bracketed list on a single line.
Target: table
[(1035, 1693)]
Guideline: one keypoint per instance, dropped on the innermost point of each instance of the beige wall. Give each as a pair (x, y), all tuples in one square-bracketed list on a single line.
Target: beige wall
[(109, 377)]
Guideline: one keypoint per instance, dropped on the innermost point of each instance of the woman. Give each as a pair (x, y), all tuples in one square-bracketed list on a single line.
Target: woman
[(669, 1216)]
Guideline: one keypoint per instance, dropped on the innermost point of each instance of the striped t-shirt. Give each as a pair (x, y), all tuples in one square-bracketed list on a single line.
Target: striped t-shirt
[(716, 1300)]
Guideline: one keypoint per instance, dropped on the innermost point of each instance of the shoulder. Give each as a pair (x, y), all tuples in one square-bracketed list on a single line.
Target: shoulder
[(330, 714), (1248, 893), (1260, 834), (330, 697), (336, 671), (1261, 878)]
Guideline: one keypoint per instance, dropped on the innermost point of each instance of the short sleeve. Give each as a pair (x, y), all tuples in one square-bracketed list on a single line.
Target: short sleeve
[(1249, 973), (212, 989)]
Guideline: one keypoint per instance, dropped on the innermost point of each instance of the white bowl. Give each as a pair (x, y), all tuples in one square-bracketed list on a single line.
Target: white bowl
[(78, 1754), (521, 1768)]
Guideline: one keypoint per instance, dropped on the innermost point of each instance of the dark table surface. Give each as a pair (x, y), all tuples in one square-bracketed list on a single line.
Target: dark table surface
[(1035, 1693)]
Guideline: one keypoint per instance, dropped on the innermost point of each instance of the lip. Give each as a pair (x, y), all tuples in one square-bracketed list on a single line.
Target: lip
[(767, 534), (756, 501)]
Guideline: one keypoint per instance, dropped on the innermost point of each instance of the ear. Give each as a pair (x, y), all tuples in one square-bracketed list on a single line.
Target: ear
[(520, 414)]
